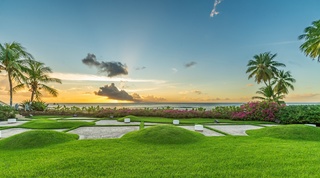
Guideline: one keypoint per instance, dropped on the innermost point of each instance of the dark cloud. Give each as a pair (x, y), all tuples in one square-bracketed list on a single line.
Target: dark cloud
[(197, 92), (111, 68), (112, 92), (140, 68), (190, 64)]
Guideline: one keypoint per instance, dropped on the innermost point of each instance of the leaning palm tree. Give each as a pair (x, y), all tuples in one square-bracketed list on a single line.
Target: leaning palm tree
[(283, 81), (36, 78), (12, 58), (311, 46), (268, 94), (263, 67)]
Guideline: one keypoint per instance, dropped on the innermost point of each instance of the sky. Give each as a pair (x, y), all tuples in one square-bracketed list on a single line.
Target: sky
[(160, 50)]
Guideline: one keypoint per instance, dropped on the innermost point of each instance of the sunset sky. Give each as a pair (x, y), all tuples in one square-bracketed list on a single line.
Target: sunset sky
[(160, 50)]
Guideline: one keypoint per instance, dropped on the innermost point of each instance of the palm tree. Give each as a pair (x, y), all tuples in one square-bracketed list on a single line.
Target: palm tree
[(36, 77), (269, 94), (311, 46), (263, 67), (283, 81), (12, 58)]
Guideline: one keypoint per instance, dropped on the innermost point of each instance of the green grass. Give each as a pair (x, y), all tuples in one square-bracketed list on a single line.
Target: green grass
[(164, 134), (46, 117), (54, 124), (289, 132), (189, 121), (258, 155), (36, 139), (161, 151)]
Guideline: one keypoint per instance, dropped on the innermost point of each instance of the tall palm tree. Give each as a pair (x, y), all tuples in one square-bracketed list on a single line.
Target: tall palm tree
[(263, 67), (269, 94), (36, 78), (12, 58), (311, 46), (283, 81)]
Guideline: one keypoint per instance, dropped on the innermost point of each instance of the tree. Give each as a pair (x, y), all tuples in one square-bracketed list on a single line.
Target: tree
[(12, 58), (263, 67), (311, 46), (283, 81), (268, 94), (36, 78)]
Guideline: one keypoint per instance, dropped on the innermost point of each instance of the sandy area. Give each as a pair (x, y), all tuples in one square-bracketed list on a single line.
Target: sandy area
[(102, 132)]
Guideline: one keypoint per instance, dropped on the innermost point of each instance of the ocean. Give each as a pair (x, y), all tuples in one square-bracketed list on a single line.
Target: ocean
[(207, 106)]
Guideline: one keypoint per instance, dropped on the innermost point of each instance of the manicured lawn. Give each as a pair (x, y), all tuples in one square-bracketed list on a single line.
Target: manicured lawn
[(189, 121), (262, 154), (54, 124)]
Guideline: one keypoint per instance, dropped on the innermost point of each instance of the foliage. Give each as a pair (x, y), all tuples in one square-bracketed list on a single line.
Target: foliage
[(164, 134), (261, 111), (252, 156), (13, 57), (300, 114), (263, 67), (36, 139), (36, 79), (7, 112), (269, 95), (311, 46), (35, 105)]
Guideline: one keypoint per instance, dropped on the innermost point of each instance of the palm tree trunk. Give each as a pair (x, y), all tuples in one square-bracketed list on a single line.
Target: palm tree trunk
[(10, 86), (32, 96)]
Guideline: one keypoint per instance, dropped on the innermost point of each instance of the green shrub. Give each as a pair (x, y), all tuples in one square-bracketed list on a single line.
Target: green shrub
[(300, 114), (35, 105), (260, 111), (7, 112)]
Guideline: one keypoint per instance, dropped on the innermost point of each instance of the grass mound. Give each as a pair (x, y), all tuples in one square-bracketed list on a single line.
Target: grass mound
[(288, 132), (164, 134), (36, 139), (54, 124)]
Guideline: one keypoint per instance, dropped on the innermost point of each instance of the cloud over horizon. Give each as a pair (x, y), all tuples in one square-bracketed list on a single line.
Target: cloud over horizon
[(112, 92), (111, 68)]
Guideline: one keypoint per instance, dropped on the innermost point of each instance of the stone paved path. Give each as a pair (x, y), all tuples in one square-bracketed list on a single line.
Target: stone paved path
[(235, 129), (103, 132)]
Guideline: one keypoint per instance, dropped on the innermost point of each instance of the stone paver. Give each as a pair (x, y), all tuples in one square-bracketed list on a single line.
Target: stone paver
[(235, 129), (14, 131), (205, 132), (102, 132), (6, 124), (10, 132), (115, 122)]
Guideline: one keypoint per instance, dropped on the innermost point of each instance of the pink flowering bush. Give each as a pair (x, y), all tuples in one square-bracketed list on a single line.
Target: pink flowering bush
[(258, 110)]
